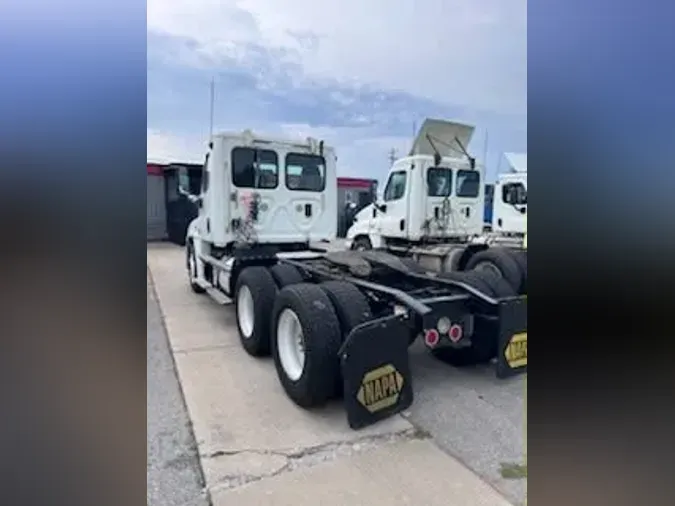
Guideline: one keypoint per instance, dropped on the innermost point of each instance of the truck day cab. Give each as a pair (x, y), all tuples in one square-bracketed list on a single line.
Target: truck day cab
[(510, 198), (337, 324), (432, 209)]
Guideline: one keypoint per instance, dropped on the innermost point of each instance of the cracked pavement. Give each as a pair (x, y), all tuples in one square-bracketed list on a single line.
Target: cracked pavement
[(256, 447)]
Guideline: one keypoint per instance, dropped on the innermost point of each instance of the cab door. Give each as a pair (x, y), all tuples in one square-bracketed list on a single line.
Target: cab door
[(512, 217), (468, 202), (392, 220), (311, 203), (437, 193)]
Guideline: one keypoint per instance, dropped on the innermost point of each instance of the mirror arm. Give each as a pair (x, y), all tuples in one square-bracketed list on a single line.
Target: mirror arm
[(195, 199)]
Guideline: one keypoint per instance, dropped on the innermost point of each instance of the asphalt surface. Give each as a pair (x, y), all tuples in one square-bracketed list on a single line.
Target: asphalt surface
[(174, 473), (473, 416)]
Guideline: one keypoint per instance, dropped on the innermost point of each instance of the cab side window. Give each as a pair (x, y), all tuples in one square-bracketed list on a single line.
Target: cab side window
[(468, 183), (439, 182), (395, 188), (514, 194)]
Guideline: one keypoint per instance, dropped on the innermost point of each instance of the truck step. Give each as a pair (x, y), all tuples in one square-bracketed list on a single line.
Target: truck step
[(217, 295)]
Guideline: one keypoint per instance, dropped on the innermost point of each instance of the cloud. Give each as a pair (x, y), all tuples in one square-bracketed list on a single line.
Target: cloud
[(165, 147), (452, 51), (359, 74)]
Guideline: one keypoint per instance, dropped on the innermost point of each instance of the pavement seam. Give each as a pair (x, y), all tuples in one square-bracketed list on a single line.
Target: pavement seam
[(211, 347), (202, 477)]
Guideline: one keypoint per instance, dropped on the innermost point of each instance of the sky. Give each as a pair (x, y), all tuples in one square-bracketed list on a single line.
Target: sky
[(359, 75)]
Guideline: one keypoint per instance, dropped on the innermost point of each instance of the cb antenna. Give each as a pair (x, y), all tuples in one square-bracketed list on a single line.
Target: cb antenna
[(485, 151), (211, 110)]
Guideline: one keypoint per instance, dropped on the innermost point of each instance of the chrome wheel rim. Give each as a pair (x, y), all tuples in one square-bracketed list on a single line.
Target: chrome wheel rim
[(290, 344), (245, 311)]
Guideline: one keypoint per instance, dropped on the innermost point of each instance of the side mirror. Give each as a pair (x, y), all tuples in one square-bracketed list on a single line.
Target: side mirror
[(380, 207)]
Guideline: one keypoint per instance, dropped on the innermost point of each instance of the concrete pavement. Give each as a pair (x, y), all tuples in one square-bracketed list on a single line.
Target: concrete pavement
[(257, 447), (174, 473)]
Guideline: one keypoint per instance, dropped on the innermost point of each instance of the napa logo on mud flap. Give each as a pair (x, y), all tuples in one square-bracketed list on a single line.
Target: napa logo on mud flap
[(516, 351), (380, 388)]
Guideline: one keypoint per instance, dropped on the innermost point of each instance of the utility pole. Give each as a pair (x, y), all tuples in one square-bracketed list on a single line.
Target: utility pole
[(485, 152), (392, 156)]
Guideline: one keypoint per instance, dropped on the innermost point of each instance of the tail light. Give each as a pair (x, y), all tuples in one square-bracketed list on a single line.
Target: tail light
[(431, 338), (455, 333)]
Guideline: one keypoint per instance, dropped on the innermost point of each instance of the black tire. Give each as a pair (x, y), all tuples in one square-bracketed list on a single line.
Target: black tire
[(350, 305), (499, 286), (473, 279), (500, 261), (520, 256), (351, 308), (285, 275), (190, 253), (322, 339), (263, 290), (362, 243)]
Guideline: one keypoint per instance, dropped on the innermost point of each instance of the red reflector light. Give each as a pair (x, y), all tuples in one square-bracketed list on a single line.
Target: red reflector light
[(431, 338), (455, 333)]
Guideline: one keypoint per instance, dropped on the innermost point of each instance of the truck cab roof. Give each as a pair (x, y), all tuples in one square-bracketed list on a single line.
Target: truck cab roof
[(446, 161), (248, 138)]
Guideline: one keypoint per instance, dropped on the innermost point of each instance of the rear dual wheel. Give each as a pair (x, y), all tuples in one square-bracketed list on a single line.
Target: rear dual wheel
[(254, 296), (306, 338), (510, 265), (302, 325), (484, 281)]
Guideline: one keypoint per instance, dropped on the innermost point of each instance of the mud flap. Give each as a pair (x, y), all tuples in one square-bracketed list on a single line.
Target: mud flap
[(376, 371), (512, 337)]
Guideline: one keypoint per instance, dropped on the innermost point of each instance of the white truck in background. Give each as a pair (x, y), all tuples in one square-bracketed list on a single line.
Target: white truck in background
[(432, 209), (509, 204)]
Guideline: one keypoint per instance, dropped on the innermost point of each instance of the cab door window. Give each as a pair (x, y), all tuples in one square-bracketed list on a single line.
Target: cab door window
[(395, 188), (514, 194)]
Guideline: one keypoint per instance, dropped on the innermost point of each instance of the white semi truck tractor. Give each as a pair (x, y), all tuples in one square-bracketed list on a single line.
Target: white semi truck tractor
[(431, 210), (337, 324)]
